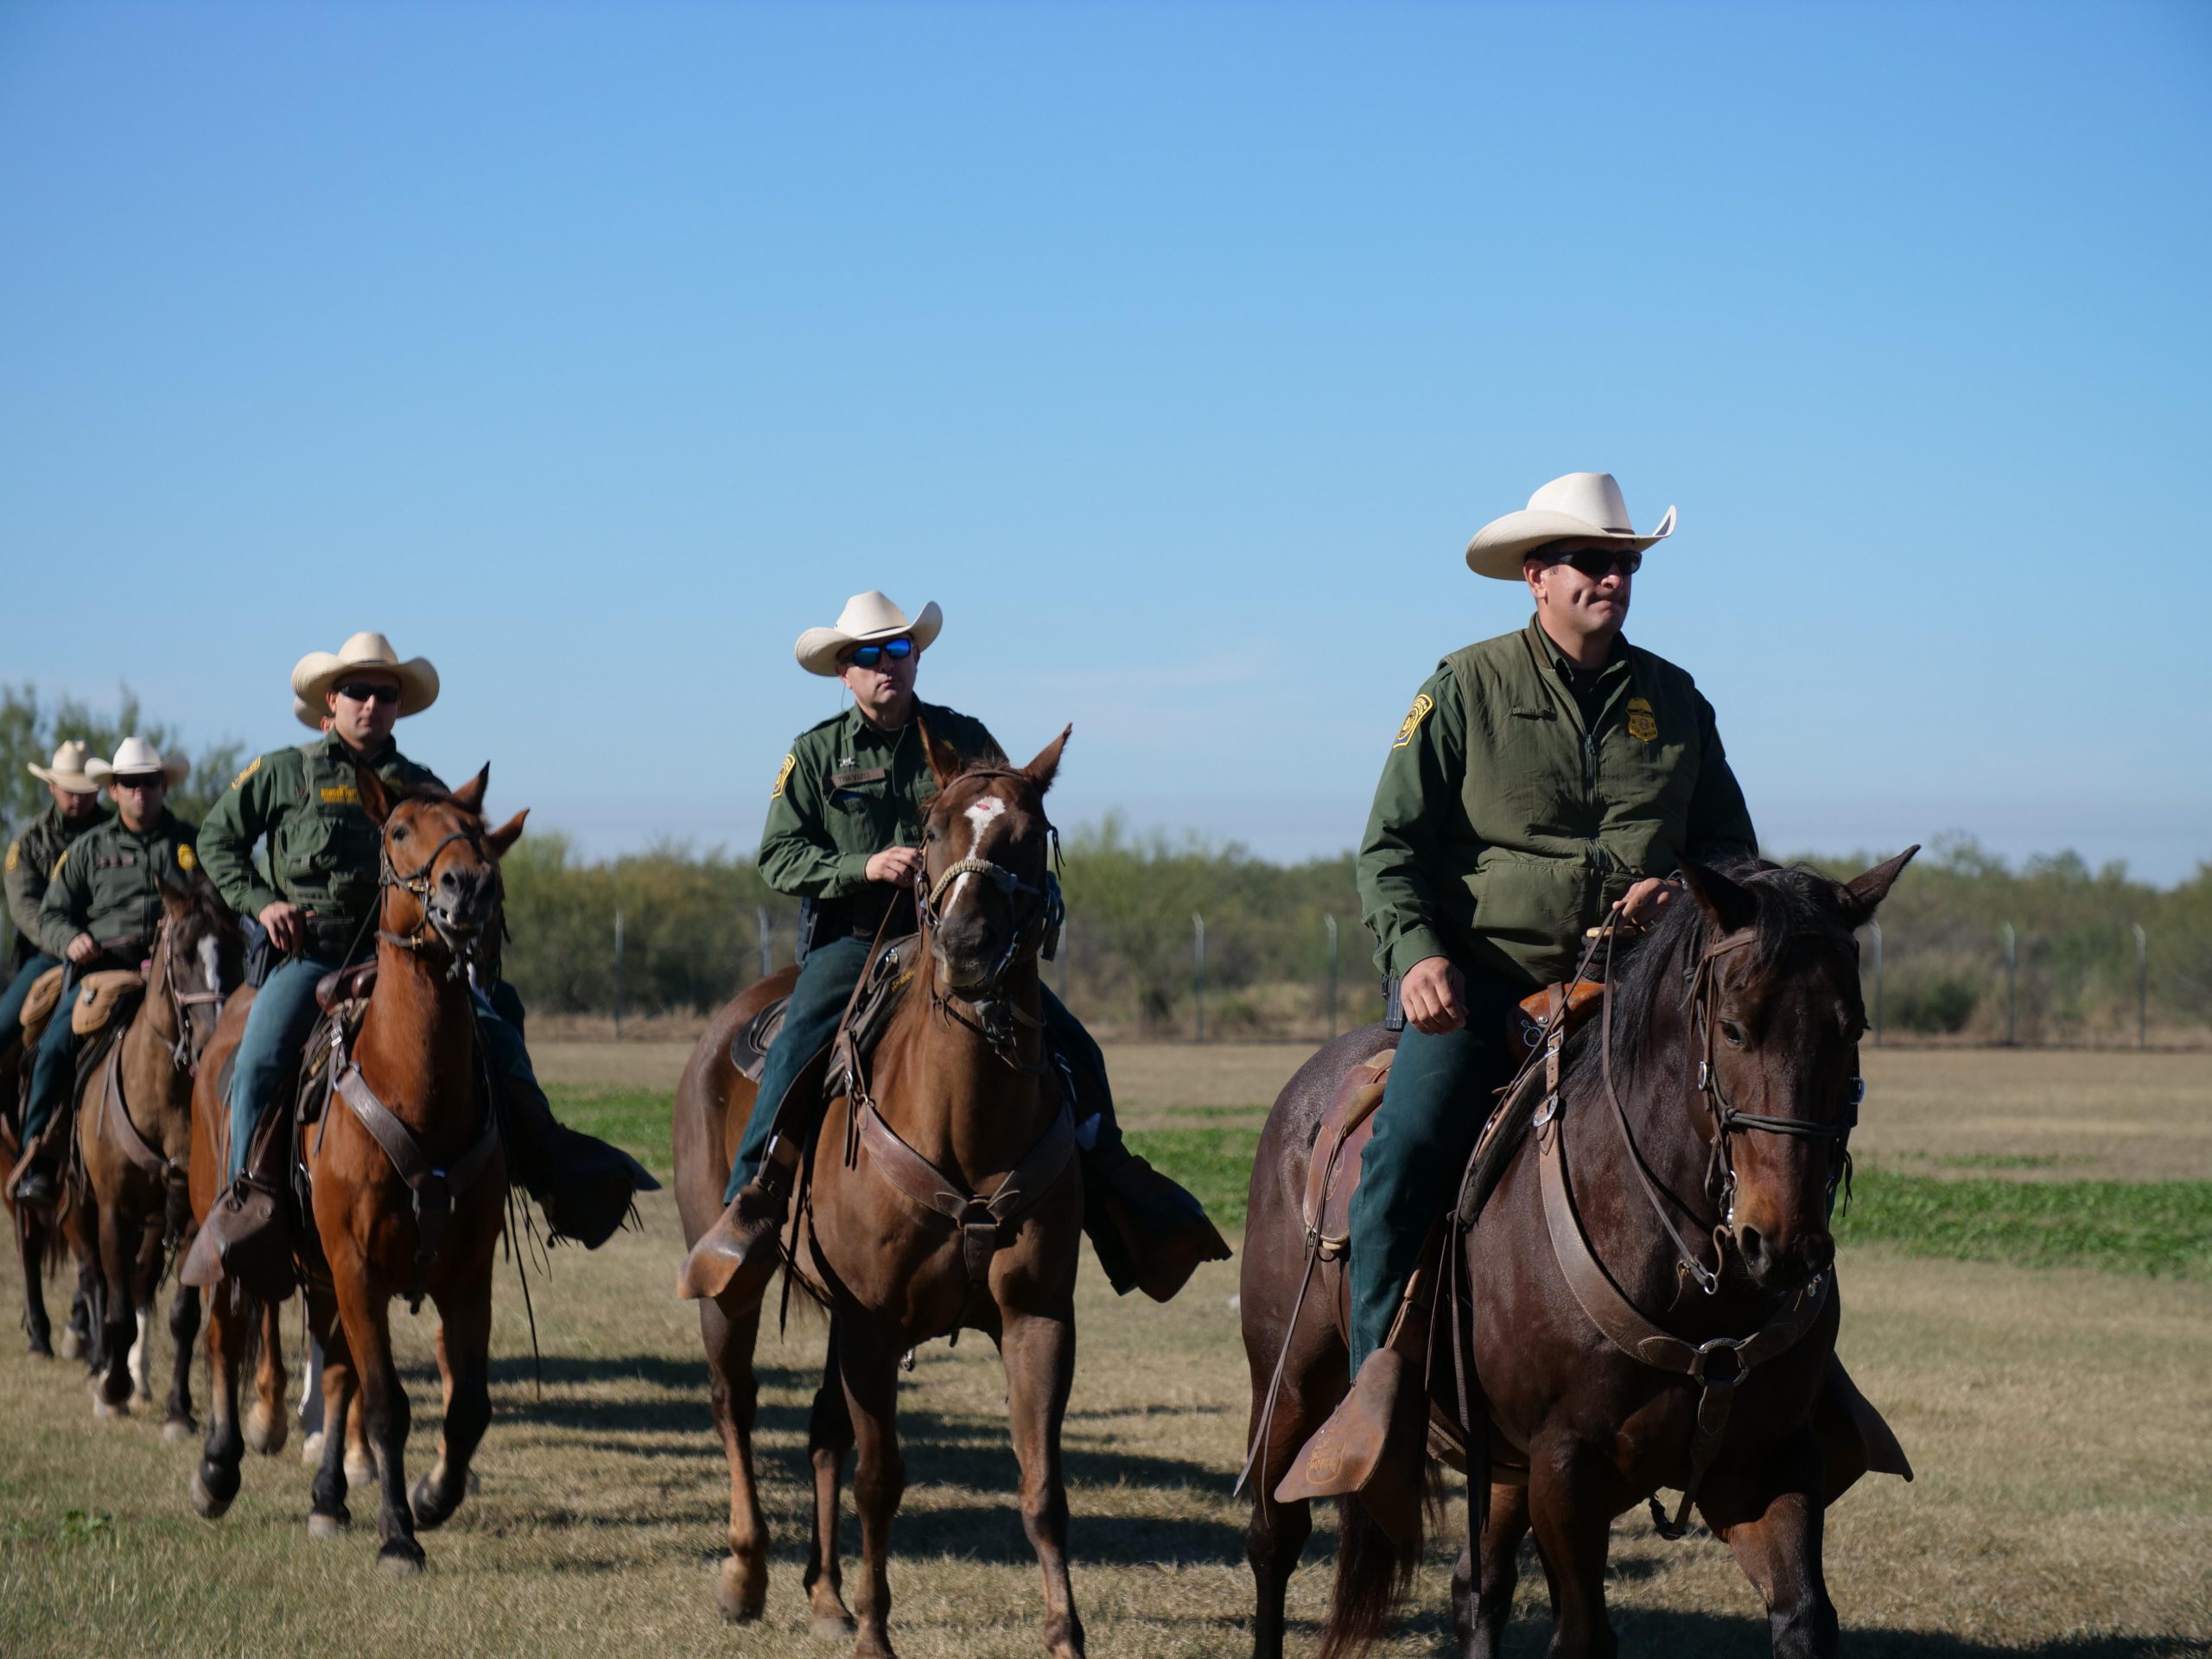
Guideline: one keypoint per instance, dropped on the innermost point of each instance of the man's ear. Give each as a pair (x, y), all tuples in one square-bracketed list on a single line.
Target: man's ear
[(506, 834), (376, 799), (945, 763)]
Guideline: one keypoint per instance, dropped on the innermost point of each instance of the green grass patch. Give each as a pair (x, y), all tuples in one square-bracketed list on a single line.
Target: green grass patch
[(635, 1120), (1995, 1160), (2160, 1228), (1215, 1164)]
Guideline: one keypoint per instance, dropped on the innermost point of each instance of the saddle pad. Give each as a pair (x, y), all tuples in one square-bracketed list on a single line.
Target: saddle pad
[(1333, 1171), (99, 996)]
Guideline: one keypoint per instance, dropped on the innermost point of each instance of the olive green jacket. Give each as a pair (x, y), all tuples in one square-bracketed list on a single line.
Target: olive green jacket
[(323, 851), (106, 882), (31, 858), (1503, 827), (847, 791)]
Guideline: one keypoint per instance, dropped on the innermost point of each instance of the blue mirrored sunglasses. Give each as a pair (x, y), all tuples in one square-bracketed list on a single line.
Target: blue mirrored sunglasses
[(897, 650)]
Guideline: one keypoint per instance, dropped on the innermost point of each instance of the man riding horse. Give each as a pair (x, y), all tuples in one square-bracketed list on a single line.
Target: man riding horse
[(317, 902), (1539, 778), (843, 834), (31, 858), (102, 903)]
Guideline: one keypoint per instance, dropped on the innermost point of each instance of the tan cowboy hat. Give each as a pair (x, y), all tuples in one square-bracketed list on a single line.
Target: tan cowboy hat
[(866, 617), (319, 671), (135, 755), (1580, 507), (67, 770)]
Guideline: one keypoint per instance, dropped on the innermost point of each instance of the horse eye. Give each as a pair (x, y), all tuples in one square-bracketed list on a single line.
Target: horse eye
[(929, 833), (1733, 1032), (399, 833)]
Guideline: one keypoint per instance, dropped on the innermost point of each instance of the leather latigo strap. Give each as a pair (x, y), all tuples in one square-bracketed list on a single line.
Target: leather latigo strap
[(981, 1221), (115, 1127)]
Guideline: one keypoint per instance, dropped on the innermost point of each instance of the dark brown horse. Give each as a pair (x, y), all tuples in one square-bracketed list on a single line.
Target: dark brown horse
[(1741, 1009), (45, 1238), (407, 1179), (944, 1196), (134, 1143)]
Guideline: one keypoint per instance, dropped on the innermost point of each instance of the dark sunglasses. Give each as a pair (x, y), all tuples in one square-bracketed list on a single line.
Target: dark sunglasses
[(1598, 563), (370, 693), (897, 650)]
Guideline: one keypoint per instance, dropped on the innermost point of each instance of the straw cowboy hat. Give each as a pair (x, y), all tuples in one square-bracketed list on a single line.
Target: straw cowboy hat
[(866, 617), (67, 770), (319, 671), (133, 757), (1580, 507)]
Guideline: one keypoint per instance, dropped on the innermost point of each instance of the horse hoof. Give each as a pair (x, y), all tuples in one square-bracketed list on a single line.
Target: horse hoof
[(831, 1627), (362, 1473), (179, 1428), (266, 1431), (328, 1526), (740, 1596), (102, 1408), (401, 1558), (208, 1502), (72, 1346), (428, 1513), (41, 1348)]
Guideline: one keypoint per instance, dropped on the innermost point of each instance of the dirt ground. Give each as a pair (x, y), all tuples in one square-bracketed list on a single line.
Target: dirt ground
[(2058, 1419)]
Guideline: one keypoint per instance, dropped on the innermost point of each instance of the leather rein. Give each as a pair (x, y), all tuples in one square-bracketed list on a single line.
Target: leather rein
[(184, 1056)]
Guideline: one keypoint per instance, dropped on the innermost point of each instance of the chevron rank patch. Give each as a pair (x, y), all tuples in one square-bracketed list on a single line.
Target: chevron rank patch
[(1411, 724), (239, 782), (15, 855), (782, 776)]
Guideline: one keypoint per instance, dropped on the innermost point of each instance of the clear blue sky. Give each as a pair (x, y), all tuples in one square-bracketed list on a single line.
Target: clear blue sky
[(594, 351)]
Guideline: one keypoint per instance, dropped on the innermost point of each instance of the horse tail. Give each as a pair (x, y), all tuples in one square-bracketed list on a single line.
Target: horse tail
[(1372, 1572)]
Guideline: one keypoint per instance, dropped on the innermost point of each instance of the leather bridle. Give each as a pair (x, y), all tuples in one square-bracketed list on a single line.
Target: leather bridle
[(428, 931), (189, 1043)]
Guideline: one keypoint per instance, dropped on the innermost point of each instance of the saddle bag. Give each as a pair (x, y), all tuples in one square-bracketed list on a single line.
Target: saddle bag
[(38, 1007), (100, 995)]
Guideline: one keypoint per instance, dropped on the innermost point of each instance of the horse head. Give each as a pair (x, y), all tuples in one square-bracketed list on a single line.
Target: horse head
[(985, 893), (1777, 1016), (440, 865), (199, 959)]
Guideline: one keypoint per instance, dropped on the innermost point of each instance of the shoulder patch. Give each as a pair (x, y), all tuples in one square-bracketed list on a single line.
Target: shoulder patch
[(1643, 725), (1417, 713), (252, 767), (186, 858), (782, 776), (58, 863), (15, 855)]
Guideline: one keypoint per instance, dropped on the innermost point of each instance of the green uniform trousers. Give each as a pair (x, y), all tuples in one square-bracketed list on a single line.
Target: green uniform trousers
[(1439, 1091)]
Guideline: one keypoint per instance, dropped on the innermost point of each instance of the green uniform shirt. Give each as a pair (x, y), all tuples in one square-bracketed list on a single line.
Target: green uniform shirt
[(322, 849), (1507, 822), (847, 791), (32, 856), (106, 882)]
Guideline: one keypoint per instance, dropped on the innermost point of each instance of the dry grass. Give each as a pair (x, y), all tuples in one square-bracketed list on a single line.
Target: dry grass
[(2058, 1421)]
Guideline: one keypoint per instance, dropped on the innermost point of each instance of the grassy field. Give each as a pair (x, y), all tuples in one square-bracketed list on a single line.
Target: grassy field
[(2057, 1414)]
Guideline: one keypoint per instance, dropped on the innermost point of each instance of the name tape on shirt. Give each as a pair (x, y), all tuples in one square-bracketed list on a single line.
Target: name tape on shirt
[(1411, 724)]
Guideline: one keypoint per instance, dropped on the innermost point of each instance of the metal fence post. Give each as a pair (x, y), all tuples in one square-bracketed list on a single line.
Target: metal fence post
[(1332, 923), (1199, 980), (2142, 987), (2011, 984), (1875, 928), (767, 940), (618, 974)]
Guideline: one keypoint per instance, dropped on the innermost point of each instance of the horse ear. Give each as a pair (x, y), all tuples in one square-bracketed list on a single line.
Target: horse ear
[(376, 799), (945, 764), (506, 834), (470, 795), (1040, 771), (1863, 894), (1728, 905), (177, 900)]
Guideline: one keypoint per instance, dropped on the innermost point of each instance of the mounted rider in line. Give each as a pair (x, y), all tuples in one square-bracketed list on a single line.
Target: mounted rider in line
[(318, 904), (102, 903), (1541, 778), (843, 834), (31, 858)]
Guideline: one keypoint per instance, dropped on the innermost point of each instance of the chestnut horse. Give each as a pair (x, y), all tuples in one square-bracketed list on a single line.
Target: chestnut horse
[(414, 1073), (1717, 1127), (948, 1200), (134, 1143)]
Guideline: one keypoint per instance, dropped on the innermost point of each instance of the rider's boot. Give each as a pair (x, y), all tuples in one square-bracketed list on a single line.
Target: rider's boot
[(1161, 1230), (246, 1237), (739, 1251), (37, 1185), (1375, 1443), (583, 1184)]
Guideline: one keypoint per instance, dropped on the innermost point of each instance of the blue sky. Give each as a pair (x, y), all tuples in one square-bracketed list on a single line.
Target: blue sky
[(595, 351)]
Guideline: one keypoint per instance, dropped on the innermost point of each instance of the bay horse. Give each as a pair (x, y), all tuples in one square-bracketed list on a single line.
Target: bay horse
[(133, 1129), (944, 1196), (1703, 1113), (407, 1184), (45, 1238)]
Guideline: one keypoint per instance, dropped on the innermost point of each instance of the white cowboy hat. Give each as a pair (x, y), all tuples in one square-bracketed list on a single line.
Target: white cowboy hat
[(135, 755), (1580, 507), (319, 671), (67, 770), (866, 617)]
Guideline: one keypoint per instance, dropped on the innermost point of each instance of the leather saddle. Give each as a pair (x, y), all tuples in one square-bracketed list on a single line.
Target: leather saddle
[(883, 986)]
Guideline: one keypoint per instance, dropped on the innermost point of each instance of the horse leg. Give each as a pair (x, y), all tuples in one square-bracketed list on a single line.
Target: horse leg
[(1574, 1524), (1039, 1353), (178, 1422), (215, 1482), (360, 1456), (1277, 1535), (367, 1318), (869, 1369), (1772, 1518), (329, 1516), (464, 1363), (30, 1245), (144, 1283), (1481, 1607), (828, 1441), (118, 1259), (742, 1586), (267, 1425)]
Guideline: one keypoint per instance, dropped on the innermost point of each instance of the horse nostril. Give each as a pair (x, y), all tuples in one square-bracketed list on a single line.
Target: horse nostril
[(1752, 1243), (1819, 1252)]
